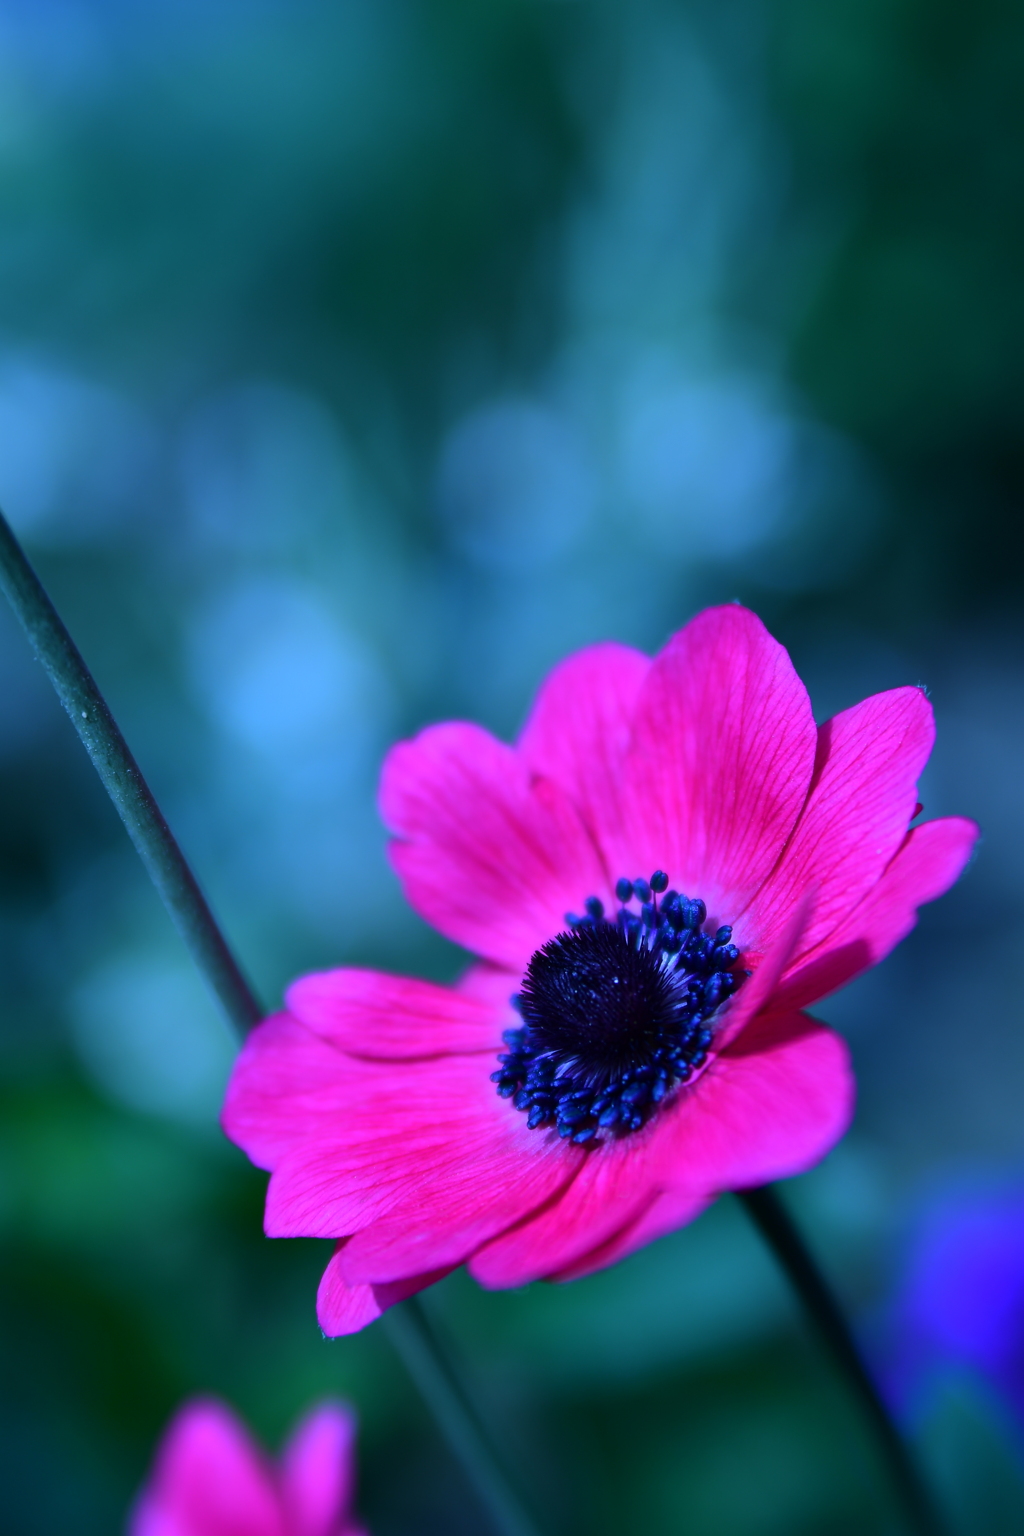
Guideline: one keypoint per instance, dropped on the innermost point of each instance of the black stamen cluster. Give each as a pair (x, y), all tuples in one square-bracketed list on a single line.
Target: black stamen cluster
[(615, 1012)]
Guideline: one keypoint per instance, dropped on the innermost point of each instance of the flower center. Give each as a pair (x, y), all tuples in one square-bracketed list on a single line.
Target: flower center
[(616, 1012)]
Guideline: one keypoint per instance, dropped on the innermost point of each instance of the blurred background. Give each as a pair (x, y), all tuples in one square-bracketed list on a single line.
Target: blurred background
[(357, 361)]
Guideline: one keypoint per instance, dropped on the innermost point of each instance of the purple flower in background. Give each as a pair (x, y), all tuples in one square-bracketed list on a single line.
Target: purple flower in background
[(961, 1300)]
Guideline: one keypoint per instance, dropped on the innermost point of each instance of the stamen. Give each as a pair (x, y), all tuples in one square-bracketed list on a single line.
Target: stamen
[(616, 1012)]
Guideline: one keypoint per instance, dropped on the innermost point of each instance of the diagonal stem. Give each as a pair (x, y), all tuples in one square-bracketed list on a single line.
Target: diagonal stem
[(153, 838), (414, 1340), (783, 1236)]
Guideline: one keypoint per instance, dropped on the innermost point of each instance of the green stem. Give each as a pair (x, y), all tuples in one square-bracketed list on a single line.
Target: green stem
[(417, 1344), (783, 1236), (125, 785), (412, 1337)]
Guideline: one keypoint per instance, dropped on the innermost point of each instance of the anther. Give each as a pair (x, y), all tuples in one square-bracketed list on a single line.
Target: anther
[(614, 1013)]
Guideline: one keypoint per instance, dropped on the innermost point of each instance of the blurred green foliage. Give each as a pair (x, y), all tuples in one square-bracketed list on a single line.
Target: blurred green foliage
[(356, 361)]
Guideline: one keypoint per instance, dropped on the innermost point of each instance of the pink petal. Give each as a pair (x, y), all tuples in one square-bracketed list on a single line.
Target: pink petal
[(857, 814), (491, 857), (578, 733), (317, 1471), (377, 1016), (492, 984), (930, 860), (395, 1132), (328, 1190), (342, 1308), (291, 1088), (771, 1105), (758, 988), (447, 1218), (721, 761), (210, 1480), (616, 1182), (773, 1101), (286, 1083), (667, 1212)]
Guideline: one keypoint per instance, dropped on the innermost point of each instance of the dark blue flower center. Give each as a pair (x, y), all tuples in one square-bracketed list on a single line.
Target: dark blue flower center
[(616, 1012)]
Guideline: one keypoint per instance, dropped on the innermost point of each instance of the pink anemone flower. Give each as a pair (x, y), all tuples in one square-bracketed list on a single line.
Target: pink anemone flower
[(209, 1478), (667, 867)]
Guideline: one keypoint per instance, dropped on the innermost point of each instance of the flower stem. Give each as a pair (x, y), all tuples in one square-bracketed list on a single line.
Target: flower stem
[(416, 1342), (167, 867), (153, 839), (783, 1236)]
